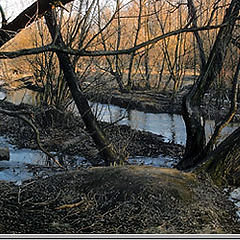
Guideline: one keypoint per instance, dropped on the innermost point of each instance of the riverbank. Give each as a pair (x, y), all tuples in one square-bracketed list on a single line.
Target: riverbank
[(122, 200), (161, 102), (145, 101), (65, 133)]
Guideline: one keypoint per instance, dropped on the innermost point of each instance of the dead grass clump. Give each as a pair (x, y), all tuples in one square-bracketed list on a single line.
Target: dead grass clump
[(116, 200)]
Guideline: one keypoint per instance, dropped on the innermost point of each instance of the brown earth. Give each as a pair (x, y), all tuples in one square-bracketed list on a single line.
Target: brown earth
[(113, 200)]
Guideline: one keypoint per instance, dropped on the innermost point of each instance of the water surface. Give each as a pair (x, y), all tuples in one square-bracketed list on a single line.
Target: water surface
[(170, 126)]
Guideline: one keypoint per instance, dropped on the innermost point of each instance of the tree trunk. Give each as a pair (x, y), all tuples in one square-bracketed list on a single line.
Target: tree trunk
[(29, 15), (223, 164), (38, 9), (195, 130), (193, 15), (106, 148), (191, 111)]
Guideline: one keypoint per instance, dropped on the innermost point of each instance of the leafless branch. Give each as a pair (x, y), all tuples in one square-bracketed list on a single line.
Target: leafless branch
[(83, 52), (4, 20), (22, 115), (230, 114)]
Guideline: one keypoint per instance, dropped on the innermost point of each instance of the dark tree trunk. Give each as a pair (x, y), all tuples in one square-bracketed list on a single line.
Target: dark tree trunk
[(223, 164), (195, 130), (192, 115), (38, 9), (193, 15), (29, 15), (106, 148)]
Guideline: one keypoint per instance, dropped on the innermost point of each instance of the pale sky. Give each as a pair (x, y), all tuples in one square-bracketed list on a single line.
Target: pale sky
[(13, 7)]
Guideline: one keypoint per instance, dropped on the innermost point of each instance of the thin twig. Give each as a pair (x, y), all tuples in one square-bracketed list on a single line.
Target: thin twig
[(73, 205), (83, 52), (22, 115), (46, 203)]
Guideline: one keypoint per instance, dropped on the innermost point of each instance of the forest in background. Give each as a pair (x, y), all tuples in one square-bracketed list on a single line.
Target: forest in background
[(167, 64)]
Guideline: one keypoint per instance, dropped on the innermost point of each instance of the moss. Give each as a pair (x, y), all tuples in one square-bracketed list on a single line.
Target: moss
[(177, 183)]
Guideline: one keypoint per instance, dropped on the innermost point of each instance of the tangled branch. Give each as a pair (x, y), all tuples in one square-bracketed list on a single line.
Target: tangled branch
[(22, 115)]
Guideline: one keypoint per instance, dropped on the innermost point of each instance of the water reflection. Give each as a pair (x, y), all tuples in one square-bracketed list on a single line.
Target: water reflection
[(170, 126), (160, 161), (16, 174), (16, 169), (2, 95), (24, 155), (226, 131)]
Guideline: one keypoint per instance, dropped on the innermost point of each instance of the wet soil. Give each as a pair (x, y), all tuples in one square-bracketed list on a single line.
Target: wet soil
[(65, 133), (126, 199), (214, 106)]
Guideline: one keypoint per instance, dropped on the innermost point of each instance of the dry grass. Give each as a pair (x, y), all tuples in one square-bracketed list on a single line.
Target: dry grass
[(116, 200)]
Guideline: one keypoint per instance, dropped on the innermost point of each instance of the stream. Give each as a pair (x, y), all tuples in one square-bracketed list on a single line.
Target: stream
[(26, 163), (170, 126)]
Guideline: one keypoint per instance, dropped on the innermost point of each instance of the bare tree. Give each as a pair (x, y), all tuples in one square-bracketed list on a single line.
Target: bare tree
[(29, 15), (107, 149), (192, 115), (193, 16)]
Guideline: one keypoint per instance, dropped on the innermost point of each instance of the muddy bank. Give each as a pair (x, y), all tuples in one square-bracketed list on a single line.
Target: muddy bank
[(116, 200), (162, 102), (65, 133), (145, 101), (129, 199)]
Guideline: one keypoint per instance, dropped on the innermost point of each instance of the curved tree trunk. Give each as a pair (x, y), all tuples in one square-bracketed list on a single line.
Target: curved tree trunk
[(223, 164), (29, 15), (195, 130), (106, 148), (191, 110)]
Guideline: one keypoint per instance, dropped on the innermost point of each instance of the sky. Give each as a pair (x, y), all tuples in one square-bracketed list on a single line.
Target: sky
[(13, 7)]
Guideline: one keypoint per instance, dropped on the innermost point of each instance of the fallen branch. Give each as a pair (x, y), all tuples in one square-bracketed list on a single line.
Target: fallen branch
[(85, 199), (73, 205), (22, 115)]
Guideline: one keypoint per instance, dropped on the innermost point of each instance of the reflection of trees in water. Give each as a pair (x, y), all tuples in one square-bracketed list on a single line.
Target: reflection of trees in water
[(116, 114), (138, 120), (22, 96), (109, 113), (122, 114), (210, 126), (172, 128)]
